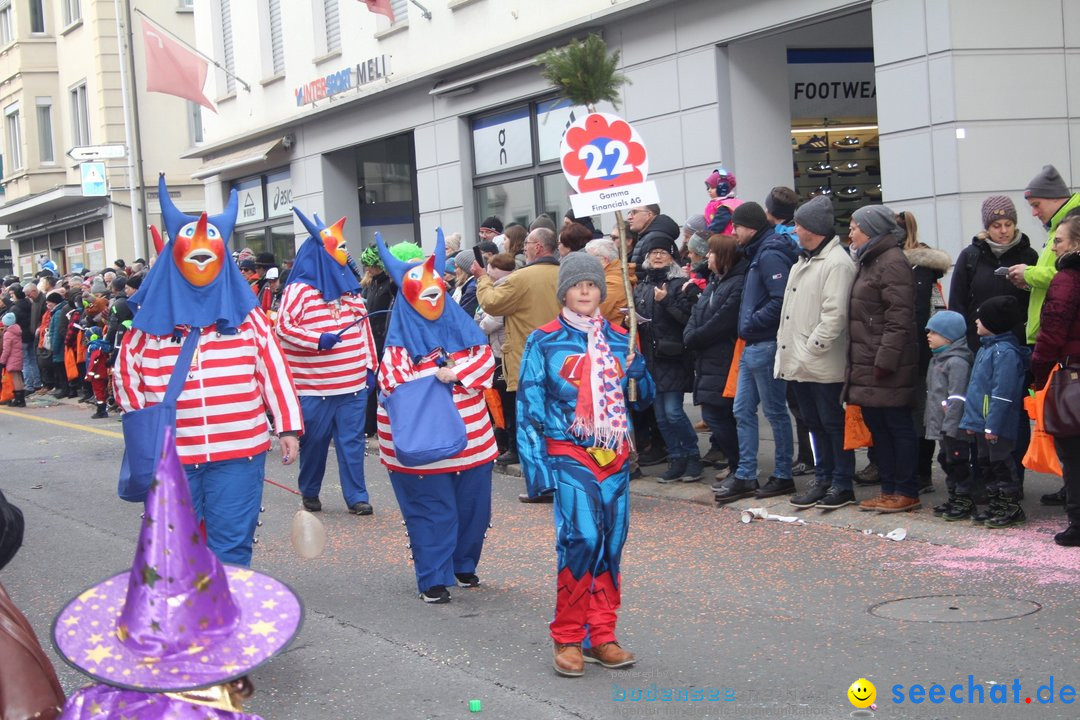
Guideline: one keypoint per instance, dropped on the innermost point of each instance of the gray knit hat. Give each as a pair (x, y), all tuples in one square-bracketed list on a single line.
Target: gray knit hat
[(698, 245), (1047, 184), (997, 207), (876, 220), (579, 266), (464, 260), (98, 286), (816, 216), (696, 225)]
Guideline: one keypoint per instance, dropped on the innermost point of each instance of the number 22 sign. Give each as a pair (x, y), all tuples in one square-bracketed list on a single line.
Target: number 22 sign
[(603, 156)]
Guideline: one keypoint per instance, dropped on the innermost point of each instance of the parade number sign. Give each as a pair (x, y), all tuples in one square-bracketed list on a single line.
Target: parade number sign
[(605, 161)]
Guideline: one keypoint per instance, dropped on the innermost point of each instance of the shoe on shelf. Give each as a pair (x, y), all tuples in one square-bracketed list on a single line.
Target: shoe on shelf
[(652, 456), (1011, 514), (961, 507), (436, 595), (568, 660), (809, 498), (874, 170), (836, 499), (800, 468), (849, 194), (819, 190), (874, 193), (510, 457), (853, 167), (848, 143), (312, 504), (610, 655), (869, 475), (734, 489), (873, 503), (467, 580), (1054, 498), (526, 498), (694, 470), (361, 508), (675, 470), (944, 507), (816, 144), (898, 503), (775, 487), (819, 169), (715, 457), (925, 484), (1069, 537)]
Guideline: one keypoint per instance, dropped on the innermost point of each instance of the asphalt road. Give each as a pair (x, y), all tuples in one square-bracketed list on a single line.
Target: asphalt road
[(773, 619)]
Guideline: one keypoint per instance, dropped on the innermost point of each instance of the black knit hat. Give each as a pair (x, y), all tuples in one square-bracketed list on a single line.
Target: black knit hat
[(1000, 314), (750, 215)]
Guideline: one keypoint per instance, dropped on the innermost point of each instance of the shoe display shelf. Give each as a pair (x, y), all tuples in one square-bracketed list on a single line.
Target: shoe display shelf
[(840, 162)]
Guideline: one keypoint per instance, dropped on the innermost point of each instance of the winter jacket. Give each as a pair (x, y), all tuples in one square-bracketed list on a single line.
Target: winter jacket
[(21, 308), (812, 340), (974, 281), (711, 332), (995, 391), (119, 313), (494, 326), (466, 298), (666, 358), (526, 301), (11, 356), (927, 266), (379, 295), (882, 329), (611, 307), (718, 213), (946, 389), (661, 225), (1038, 276), (37, 309), (771, 257), (1059, 334), (58, 326)]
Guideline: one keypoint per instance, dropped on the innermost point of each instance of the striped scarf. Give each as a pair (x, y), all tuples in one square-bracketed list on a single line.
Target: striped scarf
[(601, 409)]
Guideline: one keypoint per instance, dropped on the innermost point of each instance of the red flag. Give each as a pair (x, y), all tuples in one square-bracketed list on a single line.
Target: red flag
[(380, 6), (173, 69)]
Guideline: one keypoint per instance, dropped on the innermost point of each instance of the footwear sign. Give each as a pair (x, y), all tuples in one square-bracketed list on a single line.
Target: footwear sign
[(604, 160)]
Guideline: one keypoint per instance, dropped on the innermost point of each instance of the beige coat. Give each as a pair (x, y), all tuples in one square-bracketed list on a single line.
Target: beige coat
[(812, 342), (526, 300)]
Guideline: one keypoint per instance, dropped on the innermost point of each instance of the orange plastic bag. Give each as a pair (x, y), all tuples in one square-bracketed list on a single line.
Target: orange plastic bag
[(856, 434), (7, 390), (1041, 455), (70, 364), (495, 407), (733, 372)]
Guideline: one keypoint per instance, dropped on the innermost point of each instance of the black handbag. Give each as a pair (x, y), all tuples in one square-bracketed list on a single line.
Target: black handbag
[(1061, 408)]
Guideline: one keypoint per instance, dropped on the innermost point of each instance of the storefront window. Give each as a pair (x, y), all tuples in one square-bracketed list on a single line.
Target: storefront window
[(264, 218), (386, 184)]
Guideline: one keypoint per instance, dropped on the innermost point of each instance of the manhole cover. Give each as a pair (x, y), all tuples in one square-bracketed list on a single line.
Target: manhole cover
[(954, 608)]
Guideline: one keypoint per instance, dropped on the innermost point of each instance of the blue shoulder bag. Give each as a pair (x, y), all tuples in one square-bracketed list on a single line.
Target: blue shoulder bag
[(144, 430), (424, 422)]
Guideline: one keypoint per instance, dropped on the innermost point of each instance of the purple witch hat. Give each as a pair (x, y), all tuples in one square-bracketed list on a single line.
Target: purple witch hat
[(179, 619)]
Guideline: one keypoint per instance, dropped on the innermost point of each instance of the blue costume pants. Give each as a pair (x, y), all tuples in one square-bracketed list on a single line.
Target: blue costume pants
[(227, 494), (591, 522), (340, 417), (446, 516)]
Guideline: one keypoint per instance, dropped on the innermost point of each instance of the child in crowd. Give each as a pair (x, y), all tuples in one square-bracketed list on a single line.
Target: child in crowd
[(97, 371), (994, 401), (946, 385), (11, 358)]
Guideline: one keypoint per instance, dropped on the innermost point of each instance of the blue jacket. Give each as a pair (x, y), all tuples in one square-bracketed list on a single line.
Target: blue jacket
[(995, 393), (771, 257)]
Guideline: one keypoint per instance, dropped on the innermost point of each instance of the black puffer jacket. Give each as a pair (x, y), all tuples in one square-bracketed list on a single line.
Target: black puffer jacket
[(379, 295), (711, 333), (927, 266), (974, 281), (662, 338)]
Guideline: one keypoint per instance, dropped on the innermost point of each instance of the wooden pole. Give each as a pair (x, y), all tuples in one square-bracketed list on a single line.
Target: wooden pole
[(624, 262)]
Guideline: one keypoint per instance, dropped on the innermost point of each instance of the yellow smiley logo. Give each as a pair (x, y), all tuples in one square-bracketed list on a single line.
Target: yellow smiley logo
[(862, 693)]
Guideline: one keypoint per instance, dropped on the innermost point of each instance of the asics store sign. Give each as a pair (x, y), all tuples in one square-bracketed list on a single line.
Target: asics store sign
[(831, 83)]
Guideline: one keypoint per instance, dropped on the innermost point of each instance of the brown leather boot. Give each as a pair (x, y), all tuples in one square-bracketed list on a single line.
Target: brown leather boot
[(610, 655), (873, 503), (898, 503), (568, 660)]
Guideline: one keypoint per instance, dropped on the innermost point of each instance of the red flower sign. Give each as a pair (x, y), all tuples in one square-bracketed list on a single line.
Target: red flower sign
[(603, 151)]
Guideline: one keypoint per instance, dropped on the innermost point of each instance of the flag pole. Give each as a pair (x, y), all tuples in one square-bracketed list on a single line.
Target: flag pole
[(138, 238), (201, 54)]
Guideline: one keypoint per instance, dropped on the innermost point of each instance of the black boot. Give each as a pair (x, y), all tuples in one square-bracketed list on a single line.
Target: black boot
[(960, 508), (943, 508), (993, 498), (101, 413), (19, 400), (1070, 536), (1010, 513), (675, 470)]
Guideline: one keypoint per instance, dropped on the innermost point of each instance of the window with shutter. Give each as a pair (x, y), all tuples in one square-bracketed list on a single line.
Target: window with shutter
[(277, 39), (227, 46), (401, 10), (333, 25)]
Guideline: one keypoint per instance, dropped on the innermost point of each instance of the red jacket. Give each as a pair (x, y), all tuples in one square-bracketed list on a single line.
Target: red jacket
[(1059, 322)]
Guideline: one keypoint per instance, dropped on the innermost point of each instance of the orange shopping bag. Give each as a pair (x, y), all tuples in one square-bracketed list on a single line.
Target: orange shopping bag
[(70, 365), (7, 390), (856, 434), (495, 406), (733, 372), (1041, 456)]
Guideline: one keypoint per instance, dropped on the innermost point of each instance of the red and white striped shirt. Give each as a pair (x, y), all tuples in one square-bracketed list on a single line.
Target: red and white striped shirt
[(233, 381), (303, 316), (475, 368)]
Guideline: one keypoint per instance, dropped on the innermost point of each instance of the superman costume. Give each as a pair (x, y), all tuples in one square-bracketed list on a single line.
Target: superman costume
[(590, 482), (446, 503)]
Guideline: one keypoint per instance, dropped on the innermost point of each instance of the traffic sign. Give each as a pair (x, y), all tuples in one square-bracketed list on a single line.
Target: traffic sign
[(604, 159), (82, 153), (93, 179)]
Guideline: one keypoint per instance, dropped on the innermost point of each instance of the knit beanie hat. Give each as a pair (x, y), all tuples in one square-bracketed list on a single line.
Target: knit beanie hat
[(492, 223), (464, 260), (750, 215), (658, 241), (9, 319), (997, 207), (875, 220), (1000, 314), (698, 245), (696, 225), (781, 209), (579, 266), (949, 324), (1047, 184), (98, 286), (816, 216), (54, 297)]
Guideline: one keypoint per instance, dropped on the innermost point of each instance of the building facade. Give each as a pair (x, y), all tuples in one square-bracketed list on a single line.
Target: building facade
[(442, 118), (62, 65)]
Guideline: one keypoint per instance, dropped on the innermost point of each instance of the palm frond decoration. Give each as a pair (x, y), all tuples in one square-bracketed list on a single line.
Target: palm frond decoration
[(583, 72)]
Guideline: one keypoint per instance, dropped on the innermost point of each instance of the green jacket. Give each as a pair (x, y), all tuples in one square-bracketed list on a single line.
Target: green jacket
[(1039, 275)]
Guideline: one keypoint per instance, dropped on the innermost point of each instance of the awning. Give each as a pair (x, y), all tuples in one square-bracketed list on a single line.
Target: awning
[(39, 208), (250, 155)]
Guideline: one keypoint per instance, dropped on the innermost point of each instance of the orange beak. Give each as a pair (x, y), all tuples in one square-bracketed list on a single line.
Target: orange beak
[(333, 237)]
